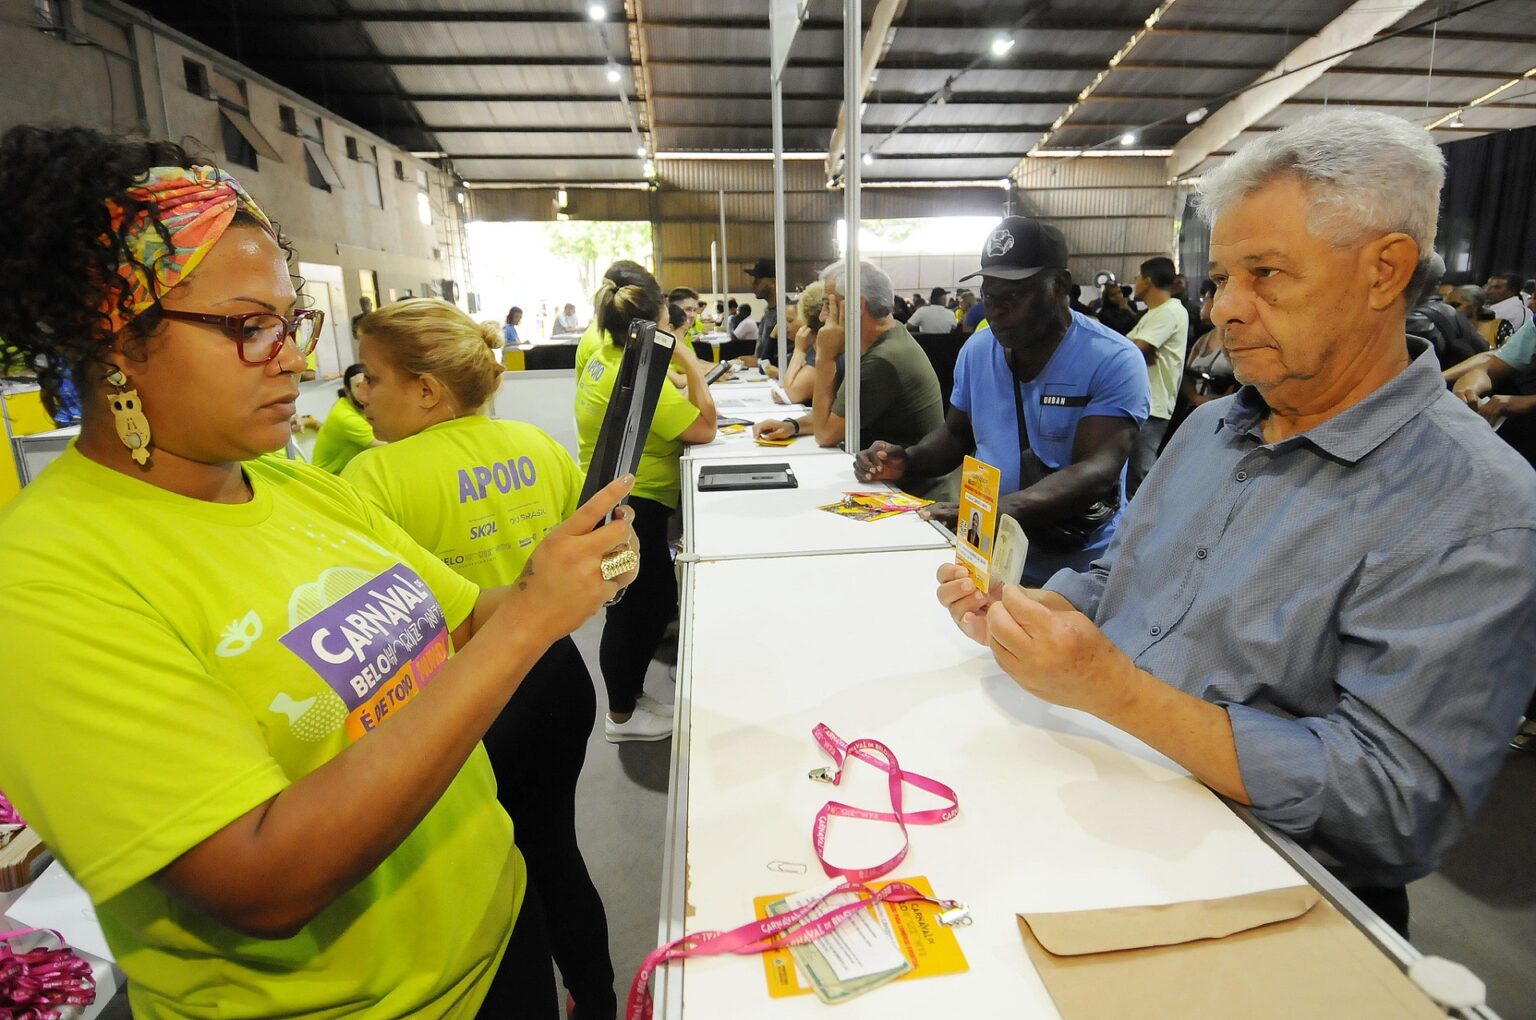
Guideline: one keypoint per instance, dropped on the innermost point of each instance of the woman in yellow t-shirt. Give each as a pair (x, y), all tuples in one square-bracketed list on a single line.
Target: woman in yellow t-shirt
[(481, 495), (635, 626), (242, 706), (345, 433)]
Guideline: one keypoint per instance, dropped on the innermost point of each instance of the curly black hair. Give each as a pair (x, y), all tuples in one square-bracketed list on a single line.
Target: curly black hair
[(60, 264)]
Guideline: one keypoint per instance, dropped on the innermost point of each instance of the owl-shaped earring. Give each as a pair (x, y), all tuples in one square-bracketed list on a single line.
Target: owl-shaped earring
[(128, 416)]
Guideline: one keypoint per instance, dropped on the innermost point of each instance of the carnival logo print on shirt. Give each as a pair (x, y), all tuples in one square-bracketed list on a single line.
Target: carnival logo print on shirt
[(239, 635), (376, 645)]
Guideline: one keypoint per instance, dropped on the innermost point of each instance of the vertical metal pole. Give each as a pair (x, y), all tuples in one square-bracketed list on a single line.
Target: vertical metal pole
[(725, 268), (781, 277), (853, 95), (714, 272)]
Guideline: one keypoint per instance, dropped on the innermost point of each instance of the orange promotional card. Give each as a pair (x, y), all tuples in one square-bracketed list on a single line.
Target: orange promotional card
[(977, 524), (929, 946)]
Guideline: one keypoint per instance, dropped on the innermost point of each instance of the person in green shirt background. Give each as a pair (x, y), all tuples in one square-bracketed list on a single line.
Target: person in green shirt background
[(635, 625), (345, 432), (273, 790), (481, 494)]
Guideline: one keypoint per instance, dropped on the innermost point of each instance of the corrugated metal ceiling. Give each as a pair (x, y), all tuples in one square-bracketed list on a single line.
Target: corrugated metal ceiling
[(524, 92)]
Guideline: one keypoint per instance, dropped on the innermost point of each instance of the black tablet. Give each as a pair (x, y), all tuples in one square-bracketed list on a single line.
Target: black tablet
[(735, 477), (632, 405)]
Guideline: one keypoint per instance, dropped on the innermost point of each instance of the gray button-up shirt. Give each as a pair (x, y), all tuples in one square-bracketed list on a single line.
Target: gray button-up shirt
[(1360, 600)]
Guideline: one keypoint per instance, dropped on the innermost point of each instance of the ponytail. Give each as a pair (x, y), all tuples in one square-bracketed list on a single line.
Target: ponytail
[(628, 292)]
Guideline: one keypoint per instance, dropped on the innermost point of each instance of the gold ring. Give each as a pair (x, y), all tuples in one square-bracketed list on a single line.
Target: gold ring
[(619, 562)]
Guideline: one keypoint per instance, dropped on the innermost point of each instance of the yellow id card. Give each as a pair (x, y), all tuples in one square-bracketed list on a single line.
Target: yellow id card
[(931, 947), (976, 527)]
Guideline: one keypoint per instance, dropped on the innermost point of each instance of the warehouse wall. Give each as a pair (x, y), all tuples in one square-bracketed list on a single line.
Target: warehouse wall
[(117, 70), (1115, 211)]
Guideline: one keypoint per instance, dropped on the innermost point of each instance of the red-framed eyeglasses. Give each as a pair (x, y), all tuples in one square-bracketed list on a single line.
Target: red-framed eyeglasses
[(258, 336)]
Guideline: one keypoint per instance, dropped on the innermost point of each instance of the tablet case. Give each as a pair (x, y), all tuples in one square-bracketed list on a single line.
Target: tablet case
[(627, 422)]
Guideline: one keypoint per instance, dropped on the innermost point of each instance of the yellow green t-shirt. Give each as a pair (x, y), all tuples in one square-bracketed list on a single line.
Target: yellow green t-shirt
[(479, 493), (343, 435), (593, 336), (659, 476), (172, 664)]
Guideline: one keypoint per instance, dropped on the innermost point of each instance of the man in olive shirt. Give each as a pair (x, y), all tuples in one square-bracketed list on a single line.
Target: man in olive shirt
[(899, 396)]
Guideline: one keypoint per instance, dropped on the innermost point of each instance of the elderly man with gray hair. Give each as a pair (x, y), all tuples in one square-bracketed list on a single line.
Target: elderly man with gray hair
[(1321, 602), (899, 395)]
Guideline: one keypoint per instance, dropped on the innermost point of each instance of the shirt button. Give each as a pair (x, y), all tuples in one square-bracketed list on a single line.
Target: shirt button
[(1156, 630), (1200, 553), (1241, 476)]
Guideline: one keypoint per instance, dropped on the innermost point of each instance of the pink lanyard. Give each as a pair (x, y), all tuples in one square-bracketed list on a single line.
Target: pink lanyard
[(33, 984), (788, 929), (877, 754)]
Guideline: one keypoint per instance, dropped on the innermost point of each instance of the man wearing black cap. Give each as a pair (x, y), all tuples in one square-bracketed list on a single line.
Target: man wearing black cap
[(765, 287), (1049, 397)]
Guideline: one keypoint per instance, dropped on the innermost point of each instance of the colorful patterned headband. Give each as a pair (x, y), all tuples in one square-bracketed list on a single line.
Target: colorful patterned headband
[(194, 206)]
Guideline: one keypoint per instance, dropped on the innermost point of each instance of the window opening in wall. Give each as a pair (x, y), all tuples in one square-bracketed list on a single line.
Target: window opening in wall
[(399, 170), (52, 16), (288, 119), (370, 168), (423, 208), (242, 142), (421, 180), (322, 172), (196, 76), (353, 151)]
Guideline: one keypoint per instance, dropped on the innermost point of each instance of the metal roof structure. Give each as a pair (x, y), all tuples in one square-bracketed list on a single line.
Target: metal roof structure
[(539, 92)]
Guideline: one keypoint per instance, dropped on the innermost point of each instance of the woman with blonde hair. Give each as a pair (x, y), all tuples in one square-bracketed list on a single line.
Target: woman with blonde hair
[(481, 494), (800, 377), (635, 625)]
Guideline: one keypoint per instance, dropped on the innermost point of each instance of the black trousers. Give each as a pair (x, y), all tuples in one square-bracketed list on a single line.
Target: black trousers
[(635, 626), (537, 747), (1390, 903)]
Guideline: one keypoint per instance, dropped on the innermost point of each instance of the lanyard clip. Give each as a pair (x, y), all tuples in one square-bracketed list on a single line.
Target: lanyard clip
[(958, 916), (823, 775)]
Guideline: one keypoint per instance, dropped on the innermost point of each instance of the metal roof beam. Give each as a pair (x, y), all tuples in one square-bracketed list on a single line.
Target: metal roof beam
[(876, 40), (1357, 25)]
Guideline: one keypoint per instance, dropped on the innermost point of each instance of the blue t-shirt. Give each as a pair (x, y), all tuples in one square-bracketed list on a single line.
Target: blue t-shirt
[(509, 334), (1095, 372)]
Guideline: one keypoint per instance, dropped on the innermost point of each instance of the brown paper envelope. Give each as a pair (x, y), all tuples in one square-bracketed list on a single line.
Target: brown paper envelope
[(1280, 955)]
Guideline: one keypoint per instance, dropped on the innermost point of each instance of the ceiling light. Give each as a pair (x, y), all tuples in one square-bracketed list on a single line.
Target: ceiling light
[(597, 12), (1129, 138), (869, 158), (1195, 116), (650, 169), (1456, 121), (640, 152), (613, 73), (1001, 45), (561, 198)]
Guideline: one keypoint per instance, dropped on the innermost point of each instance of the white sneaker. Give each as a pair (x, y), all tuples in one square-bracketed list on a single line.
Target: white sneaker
[(642, 725), (654, 707)]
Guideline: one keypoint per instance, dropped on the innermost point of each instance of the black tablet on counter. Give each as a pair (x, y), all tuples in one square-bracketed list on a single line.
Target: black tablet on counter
[(739, 477), (627, 422)]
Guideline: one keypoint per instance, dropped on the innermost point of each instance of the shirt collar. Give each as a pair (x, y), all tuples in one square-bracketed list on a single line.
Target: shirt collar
[(1358, 430)]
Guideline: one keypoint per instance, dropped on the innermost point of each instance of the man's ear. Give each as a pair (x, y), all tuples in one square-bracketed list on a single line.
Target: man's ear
[(1390, 263)]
